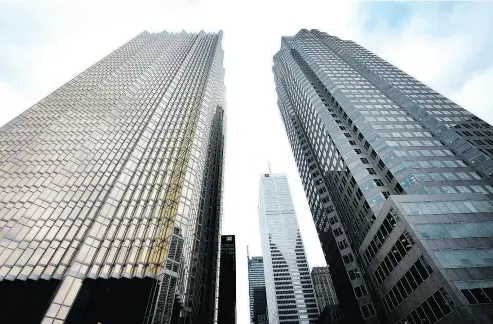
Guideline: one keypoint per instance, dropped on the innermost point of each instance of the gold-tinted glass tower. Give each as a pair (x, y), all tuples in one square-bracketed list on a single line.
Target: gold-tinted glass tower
[(110, 189)]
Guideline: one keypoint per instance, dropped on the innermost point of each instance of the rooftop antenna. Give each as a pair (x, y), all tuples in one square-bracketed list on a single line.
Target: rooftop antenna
[(268, 163), (248, 253)]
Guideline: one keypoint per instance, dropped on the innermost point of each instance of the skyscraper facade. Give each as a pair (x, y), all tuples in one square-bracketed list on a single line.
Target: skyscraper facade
[(327, 302), (289, 288), (399, 182), (256, 287), (110, 189), (324, 288), (226, 313)]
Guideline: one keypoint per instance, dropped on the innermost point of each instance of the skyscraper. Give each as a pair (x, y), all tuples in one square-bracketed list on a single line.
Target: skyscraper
[(324, 288), (256, 287), (399, 181), (110, 189), (226, 313), (289, 289)]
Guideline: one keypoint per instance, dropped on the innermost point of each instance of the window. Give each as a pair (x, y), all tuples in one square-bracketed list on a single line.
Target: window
[(431, 310), (342, 244), (371, 171), (364, 161), (354, 274), (337, 232), (415, 276), (448, 207), (360, 291), (476, 292), (396, 254), (381, 165), (378, 182), (389, 176), (465, 258), (367, 310), (348, 258), (455, 230)]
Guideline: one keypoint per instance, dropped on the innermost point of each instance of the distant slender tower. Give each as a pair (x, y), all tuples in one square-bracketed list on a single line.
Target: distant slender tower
[(289, 289), (256, 285), (399, 182), (110, 190), (226, 313)]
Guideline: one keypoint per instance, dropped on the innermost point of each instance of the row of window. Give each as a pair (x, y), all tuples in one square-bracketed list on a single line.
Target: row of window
[(447, 176), (381, 235), (405, 134), (455, 230), (435, 164), (484, 189), (396, 254), (398, 126), (418, 153), (465, 258), (476, 292), (415, 276), (391, 119), (431, 310), (433, 143), (447, 207)]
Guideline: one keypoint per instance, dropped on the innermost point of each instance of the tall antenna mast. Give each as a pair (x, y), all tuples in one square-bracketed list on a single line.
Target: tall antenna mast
[(268, 163), (248, 253)]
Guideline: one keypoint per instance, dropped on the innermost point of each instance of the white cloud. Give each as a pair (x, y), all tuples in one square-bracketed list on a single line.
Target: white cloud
[(475, 95), (441, 49), (71, 36)]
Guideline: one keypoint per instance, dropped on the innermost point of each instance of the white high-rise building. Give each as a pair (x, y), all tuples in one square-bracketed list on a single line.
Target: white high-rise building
[(289, 288)]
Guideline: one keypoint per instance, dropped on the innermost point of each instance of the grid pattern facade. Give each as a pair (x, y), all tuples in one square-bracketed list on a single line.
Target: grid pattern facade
[(256, 288), (398, 179), (289, 288), (105, 177), (324, 288)]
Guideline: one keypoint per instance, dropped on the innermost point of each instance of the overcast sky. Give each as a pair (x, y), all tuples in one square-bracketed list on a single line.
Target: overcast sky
[(448, 46)]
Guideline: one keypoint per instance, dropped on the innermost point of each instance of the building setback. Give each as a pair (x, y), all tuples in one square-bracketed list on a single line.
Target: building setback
[(226, 313), (398, 179), (110, 190), (289, 289), (256, 287)]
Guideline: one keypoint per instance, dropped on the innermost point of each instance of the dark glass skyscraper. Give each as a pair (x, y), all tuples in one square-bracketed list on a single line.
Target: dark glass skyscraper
[(399, 182), (256, 285), (110, 190), (226, 313)]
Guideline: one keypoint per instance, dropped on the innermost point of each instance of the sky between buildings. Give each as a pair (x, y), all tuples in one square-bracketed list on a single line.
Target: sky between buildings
[(448, 46)]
